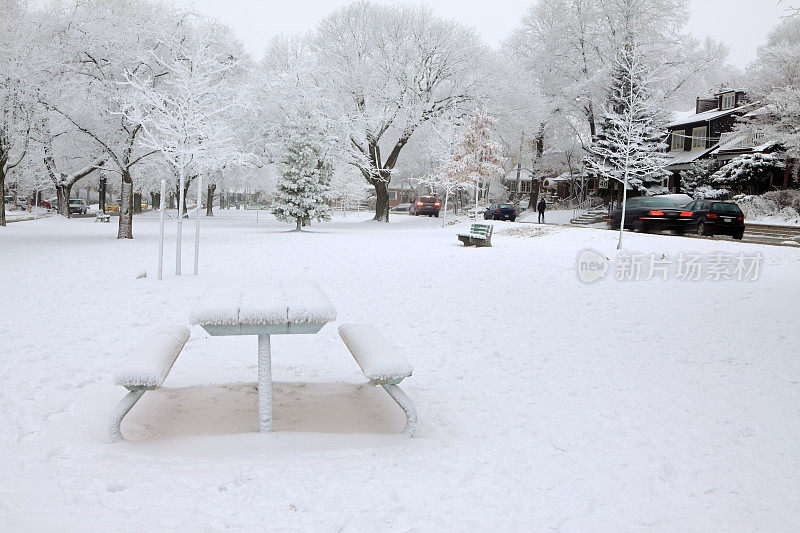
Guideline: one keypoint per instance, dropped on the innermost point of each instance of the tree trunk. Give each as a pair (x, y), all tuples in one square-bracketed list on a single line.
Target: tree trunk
[(2, 193), (126, 207), (210, 199), (137, 203), (539, 143), (154, 200), (63, 193), (171, 201), (534, 199), (186, 185), (381, 200), (299, 221), (590, 119), (101, 201)]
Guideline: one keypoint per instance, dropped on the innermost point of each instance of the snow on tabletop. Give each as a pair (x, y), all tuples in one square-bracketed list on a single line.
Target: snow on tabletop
[(263, 303), (218, 305), (148, 364), (379, 360), (307, 303)]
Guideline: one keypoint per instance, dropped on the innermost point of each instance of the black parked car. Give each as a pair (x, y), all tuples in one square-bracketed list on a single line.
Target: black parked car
[(500, 211), (647, 213), (425, 205), (713, 217)]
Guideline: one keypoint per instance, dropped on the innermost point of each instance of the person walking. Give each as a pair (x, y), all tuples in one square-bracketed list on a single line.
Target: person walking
[(541, 207)]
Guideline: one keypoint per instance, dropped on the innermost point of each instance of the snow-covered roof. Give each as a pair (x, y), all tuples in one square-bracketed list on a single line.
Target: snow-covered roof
[(705, 116), (678, 116), (680, 157), (725, 90)]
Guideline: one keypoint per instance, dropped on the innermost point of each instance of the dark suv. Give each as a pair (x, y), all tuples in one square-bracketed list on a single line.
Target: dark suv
[(500, 211), (425, 205), (712, 217)]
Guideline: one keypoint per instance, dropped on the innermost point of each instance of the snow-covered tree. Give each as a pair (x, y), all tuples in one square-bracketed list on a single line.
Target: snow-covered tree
[(386, 71), (183, 105), (570, 47), (747, 173), (303, 188), (15, 102), (697, 175), (774, 80), (97, 43), (478, 157), (628, 145)]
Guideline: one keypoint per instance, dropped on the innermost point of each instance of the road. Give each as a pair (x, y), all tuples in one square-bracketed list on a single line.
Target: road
[(753, 233)]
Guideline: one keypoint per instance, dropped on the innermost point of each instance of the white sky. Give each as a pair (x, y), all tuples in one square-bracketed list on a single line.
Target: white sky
[(742, 24)]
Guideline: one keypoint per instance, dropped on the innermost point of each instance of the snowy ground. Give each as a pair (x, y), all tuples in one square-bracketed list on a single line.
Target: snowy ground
[(544, 402), (551, 216)]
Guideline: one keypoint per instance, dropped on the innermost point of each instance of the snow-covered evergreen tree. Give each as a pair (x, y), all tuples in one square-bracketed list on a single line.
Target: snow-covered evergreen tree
[(696, 176), (628, 144), (304, 185), (747, 172), (477, 158)]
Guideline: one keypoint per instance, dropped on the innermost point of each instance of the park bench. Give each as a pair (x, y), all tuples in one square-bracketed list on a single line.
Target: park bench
[(146, 369), (479, 235), (382, 365), (102, 217)]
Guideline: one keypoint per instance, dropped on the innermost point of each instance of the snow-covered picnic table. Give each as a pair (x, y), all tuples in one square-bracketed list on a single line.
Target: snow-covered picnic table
[(264, 309)]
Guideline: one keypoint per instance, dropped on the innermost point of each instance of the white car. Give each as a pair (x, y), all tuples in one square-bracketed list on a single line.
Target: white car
[(78, 205), (21, 201)]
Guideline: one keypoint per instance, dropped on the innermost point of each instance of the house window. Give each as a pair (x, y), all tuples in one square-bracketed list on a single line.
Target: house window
[(677, 140), (699, 137), (728, 101), (392, 195), (524, 186)]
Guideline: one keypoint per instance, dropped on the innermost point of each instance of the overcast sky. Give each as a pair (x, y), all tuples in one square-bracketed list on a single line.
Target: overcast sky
[(742, 24)]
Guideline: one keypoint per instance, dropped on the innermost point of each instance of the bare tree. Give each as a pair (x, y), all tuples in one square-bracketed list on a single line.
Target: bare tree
[(15, 107), (388, 70), (182, 106)]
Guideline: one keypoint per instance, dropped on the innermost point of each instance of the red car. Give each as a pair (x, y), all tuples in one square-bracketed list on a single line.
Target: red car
[(425, 205)]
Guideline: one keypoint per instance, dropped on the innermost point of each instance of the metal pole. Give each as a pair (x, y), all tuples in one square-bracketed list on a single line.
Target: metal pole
[(197, 223), (264, 384), (180, 223), (161, 229)]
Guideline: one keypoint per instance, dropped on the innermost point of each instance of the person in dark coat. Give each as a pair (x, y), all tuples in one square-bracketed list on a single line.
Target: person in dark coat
[(541, 207)]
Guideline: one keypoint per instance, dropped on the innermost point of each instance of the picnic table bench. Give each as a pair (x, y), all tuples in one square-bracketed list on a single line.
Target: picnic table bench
[(382, 365), (146, 369), (102, 217), (479, 235)]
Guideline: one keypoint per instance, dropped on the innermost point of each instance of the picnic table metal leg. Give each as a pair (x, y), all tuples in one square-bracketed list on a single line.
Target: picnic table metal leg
[(404, 402), (264, 384), (119, 412)]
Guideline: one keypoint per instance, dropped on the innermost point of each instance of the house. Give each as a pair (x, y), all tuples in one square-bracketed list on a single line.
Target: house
[(700, 133), (399, 194)]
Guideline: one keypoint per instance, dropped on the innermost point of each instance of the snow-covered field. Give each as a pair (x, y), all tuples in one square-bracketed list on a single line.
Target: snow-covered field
[(543, 402)]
